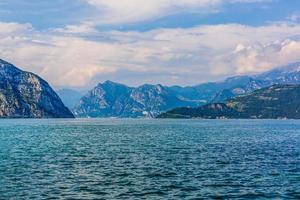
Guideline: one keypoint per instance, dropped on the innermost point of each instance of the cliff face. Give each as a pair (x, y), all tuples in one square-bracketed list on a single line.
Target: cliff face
[(116, 100), (25, 95)]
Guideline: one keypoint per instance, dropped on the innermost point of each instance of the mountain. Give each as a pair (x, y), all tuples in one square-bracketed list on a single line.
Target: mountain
[(278, 101), (105, 100), (70, 97), (116, 100), (25, 95), (151, 100), (239, 85), (236, 85), (223, 96), (289, 74), (111, 99)]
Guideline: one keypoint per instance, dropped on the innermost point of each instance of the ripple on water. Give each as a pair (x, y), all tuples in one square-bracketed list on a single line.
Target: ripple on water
[(149, 159)]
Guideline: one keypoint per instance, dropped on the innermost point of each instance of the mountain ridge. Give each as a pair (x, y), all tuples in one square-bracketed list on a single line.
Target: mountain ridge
[(274, 102), (26, 95), (111, 99), (148, 104)]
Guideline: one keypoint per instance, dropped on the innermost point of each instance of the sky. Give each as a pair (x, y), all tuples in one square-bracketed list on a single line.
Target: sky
[(79, 43)]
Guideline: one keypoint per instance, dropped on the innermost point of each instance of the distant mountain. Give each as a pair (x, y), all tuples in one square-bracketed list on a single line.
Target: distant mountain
[(223, 96), (105, 100), (238, 85), (150, 100), (25, 95), (289, 74), (278, 101), (70, 97), (116, 100)]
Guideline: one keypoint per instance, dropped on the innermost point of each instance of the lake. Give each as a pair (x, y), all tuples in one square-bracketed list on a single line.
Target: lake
[(149, 159)]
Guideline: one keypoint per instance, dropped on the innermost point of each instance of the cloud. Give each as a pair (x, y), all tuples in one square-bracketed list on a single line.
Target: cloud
[(84, 28), (295, 17), (263, 57), (81, 56), (12, 28), (130, 11), (115, 11)]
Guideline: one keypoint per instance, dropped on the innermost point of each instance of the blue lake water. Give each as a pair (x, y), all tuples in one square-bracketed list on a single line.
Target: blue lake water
[(149, 159)]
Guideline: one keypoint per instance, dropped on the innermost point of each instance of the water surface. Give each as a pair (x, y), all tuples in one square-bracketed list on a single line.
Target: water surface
[(149, 159)]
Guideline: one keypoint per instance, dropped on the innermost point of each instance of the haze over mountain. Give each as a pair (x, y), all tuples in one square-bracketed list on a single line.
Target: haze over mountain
[(70, 97), (278, 101), (25, 95), (117, 100)]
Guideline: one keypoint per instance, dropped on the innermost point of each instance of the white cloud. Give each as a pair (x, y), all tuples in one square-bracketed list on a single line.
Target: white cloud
[(294, 17), (167, 56), (84, 28), (127, 11), (259, 58), (12, 28), (115, 11)]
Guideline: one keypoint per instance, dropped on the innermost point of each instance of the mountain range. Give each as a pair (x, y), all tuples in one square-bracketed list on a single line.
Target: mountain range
[(26, 95), (277, 101), (110, 99)]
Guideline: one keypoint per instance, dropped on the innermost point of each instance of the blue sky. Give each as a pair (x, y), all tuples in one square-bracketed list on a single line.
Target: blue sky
[(58, 13), (78, 43)]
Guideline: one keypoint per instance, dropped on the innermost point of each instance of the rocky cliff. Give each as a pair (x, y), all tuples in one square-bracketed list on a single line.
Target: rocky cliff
[(25, 95)]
